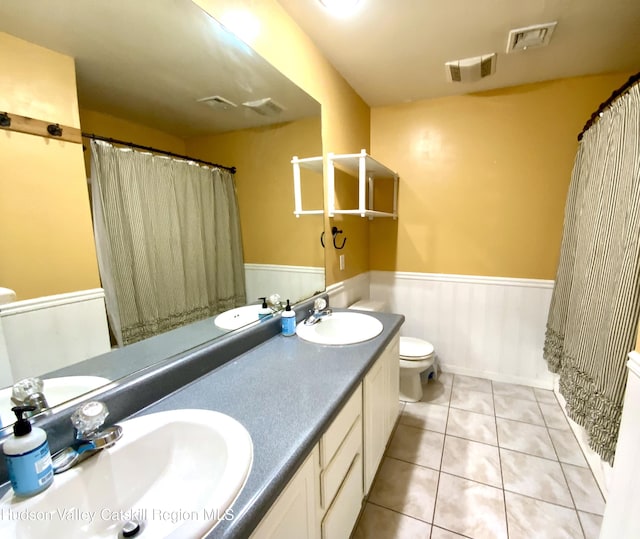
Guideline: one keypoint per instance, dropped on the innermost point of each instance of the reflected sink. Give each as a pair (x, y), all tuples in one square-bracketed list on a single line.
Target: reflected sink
[(238, 317), (176, 473), (56, 391), (341, 328)]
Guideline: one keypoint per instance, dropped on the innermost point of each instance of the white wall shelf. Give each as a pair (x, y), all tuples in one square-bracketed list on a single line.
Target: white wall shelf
[(309, 163), (366, 169)]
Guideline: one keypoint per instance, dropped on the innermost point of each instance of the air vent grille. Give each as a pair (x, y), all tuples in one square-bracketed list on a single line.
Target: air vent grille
[(538, 35), (218, 102), (471, 69)]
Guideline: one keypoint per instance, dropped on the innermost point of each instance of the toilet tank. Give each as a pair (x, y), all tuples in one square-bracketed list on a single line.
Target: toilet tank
[(370, 305)]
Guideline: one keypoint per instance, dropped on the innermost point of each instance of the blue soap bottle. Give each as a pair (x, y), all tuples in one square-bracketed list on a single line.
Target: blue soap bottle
[(288, 321), (28, 457)]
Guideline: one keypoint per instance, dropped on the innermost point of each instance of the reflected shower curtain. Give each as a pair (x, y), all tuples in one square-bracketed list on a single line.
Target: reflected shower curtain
[(168, 240), (595, 305)]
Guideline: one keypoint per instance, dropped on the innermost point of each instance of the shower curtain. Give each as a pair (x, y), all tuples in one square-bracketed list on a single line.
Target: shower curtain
[(596, 299), (168, 240)]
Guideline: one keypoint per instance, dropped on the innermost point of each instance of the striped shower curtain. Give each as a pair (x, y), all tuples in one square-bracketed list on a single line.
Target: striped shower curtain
[(596, 300), (168, 240)]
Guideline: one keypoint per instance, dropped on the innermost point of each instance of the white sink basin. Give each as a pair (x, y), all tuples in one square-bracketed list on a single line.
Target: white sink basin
[(341, 328), (176, 472), (238, 317), (56, 391)]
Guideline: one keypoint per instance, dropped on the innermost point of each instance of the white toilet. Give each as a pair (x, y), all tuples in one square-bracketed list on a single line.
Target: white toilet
[(416, 356)]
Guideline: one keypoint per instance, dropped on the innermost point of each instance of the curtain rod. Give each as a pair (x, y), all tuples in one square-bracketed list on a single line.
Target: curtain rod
[(613, 97), (156, 150)]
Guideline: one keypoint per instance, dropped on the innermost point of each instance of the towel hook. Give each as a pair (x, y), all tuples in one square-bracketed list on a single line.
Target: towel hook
[(335, 232), (54, 130)]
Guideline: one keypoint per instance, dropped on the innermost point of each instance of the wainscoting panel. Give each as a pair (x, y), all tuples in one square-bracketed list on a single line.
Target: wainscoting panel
[(290, 282), (349, 291), (480, 326), (47, 333)]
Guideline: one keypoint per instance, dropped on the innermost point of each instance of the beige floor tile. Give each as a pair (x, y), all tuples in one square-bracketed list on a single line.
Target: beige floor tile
[(406, 488), (567, 447), (529, 518), (380, 523), (584, 489), (445, 378), (591, 524), (417, 446), (471, 383), (530, 439), (518, 410), (513, 391), (473, 401), (435, 392), (545, 395), (472, 426), (439, 533), (425, 416), (470, 508), (472, 460), (535, 477), (554, 416)]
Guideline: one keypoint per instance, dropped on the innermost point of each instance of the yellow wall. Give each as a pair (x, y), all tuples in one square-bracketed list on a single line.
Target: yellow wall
[(483, 177), (46, 236), (106, 125), (345, 117), (271, 233)]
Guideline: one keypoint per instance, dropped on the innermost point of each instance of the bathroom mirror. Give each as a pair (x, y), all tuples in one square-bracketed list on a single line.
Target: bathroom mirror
[(147, 64)]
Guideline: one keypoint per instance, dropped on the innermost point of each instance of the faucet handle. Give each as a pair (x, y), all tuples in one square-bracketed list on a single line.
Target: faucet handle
[(23, 389), (89, 418), (319, 304)]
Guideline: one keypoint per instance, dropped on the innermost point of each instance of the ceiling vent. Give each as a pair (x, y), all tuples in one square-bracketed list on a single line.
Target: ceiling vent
[(266, 106), (218, 102), (530, 37), (471, 69)]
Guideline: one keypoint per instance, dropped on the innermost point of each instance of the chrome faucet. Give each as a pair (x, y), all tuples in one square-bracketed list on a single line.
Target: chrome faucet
[(29, 392), (319, 311), (90, 439)]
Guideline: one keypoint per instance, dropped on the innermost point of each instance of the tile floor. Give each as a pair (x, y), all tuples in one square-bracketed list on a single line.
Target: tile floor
[(484, 460)]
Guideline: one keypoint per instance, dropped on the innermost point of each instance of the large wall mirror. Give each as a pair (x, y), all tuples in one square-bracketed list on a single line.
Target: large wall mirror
[(143, 71)]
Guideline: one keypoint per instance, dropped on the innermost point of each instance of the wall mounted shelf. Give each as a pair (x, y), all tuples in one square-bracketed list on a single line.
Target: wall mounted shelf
[(313, 164), (359, 165), (366, 169)]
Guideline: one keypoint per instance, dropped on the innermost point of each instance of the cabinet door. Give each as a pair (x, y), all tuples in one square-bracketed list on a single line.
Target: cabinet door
[(375, 419), (392, 356), (380, 408), (293, 515)]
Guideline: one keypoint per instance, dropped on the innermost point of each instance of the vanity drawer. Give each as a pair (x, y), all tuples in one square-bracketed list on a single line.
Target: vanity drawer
[(332, 476), (341, 516), (336, 433)]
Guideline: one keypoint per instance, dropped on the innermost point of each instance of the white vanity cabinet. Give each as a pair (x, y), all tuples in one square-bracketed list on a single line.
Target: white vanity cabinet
[(324, 498), (293, 515), (381, 388), (341, 471)]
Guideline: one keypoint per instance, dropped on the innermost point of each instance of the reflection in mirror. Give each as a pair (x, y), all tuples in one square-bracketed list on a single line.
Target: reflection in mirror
[(140, 72)]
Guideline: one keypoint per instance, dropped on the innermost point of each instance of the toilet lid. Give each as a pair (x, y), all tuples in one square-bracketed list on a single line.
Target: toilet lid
[(410, 347)]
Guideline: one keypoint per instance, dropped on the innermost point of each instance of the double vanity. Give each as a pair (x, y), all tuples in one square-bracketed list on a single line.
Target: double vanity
[(318, 417)]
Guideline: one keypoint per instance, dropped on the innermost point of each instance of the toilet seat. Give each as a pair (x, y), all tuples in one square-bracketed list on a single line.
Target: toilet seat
[(412, 349)]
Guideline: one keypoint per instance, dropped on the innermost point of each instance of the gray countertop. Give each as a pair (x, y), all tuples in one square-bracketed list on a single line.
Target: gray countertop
[(285, 392)]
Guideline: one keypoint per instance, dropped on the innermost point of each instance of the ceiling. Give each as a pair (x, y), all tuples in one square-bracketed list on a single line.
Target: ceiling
[(150, 61), (394, 51)]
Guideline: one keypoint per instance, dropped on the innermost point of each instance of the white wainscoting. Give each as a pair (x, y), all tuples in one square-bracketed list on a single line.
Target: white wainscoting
[(51, 332), (347, 292), (480, 326), (290, 282)]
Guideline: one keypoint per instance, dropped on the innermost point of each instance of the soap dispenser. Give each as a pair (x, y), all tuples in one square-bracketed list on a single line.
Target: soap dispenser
[(288, 321), (27, 455), (264, 310)]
